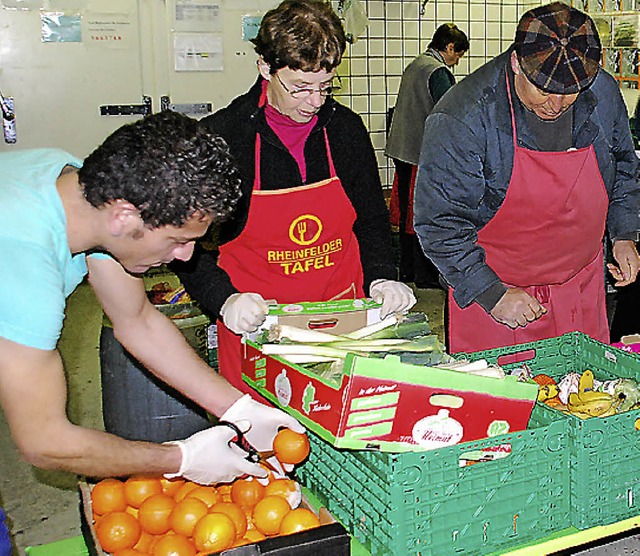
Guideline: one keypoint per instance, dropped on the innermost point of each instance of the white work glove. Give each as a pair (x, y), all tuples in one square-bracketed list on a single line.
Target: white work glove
[(265, 421), (244, 312), (396, 297), (209, 457)]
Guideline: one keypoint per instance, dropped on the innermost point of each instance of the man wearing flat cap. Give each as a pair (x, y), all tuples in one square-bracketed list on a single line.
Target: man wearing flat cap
[(525, 165)]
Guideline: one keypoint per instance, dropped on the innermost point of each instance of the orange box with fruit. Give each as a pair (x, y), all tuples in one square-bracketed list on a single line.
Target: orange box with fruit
[(146, 515)]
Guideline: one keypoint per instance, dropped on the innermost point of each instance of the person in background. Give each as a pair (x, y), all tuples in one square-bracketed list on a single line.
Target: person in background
[(312, 223), (524, 165), (137, 201), (423, 83)]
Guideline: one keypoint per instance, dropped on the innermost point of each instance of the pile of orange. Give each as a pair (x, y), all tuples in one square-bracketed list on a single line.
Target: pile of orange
[(154, 516)]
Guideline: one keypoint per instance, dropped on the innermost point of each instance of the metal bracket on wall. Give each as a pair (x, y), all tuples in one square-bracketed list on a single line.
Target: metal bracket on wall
[(190, 109), (127, 109)]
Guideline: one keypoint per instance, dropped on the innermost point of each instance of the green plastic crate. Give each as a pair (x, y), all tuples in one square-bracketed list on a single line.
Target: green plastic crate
[(604, 451), (426, 503)]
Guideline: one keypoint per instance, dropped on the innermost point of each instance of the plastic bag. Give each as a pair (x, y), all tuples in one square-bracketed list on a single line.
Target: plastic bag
[(355, 20)]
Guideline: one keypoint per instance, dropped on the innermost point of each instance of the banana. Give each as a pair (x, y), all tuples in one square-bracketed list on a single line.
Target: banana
[(586, 381), (594, 404)]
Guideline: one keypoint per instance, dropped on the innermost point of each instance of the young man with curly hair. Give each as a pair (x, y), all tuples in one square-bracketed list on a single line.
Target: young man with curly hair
[(139, 200)]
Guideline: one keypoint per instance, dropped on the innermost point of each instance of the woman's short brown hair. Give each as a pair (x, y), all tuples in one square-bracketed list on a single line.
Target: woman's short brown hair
[(304, 35)]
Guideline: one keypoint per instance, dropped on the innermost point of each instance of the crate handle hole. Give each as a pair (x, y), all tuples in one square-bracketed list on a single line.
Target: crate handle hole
[(484, 455), (518, 357), (323, 324)]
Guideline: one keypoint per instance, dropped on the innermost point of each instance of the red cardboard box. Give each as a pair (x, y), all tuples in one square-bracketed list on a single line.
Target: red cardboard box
[(388, 405), (392, 406)]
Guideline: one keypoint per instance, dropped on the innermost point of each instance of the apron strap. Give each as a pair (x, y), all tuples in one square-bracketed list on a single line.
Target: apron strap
[(513, 115), (332, 168)]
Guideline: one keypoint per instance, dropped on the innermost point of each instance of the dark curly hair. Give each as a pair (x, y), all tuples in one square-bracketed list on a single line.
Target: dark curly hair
[(168, 166), (304, 35)]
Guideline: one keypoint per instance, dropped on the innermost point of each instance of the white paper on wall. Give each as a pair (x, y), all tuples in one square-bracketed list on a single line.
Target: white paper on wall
[(107, 30), (198, 16), (198, 52)]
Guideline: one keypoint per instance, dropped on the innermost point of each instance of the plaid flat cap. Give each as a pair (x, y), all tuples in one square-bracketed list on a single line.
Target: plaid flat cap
[(558, 48)]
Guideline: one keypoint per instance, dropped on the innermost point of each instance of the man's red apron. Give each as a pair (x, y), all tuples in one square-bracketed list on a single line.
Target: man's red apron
[(297, 245), (546, 238)]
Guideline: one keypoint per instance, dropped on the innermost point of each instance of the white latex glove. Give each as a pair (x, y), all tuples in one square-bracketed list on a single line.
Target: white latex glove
[(265, 421), (396, 297), (209, 457), (244, 312)]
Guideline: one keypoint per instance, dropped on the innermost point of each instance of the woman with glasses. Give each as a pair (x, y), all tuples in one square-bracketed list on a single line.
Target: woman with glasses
[(312, 224)]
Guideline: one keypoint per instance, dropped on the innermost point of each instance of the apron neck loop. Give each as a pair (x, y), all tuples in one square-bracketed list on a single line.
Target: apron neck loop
[(256, 177), (332, 168), (511, 110)]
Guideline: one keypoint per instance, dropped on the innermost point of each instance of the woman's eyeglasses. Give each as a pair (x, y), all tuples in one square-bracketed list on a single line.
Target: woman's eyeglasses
[(307, 91)]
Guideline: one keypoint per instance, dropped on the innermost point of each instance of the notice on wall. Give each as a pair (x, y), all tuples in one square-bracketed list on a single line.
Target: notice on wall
[(22, 4), (250, 26), (107, 30), (198, 16), (60, 27), (198, 52)]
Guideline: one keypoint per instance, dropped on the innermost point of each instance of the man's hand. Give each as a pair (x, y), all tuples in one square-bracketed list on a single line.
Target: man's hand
[(265, 421), (517, 308), (244, 312), (209, 457), (626, 255)]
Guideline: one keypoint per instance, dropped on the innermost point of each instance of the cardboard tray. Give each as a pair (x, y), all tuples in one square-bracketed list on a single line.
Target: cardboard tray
[(330, 539)]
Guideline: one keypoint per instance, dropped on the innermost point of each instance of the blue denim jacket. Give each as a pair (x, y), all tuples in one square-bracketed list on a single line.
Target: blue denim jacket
[(467, 159)]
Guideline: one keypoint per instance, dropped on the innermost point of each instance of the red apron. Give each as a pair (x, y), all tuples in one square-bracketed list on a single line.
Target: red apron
[(546, 238), (297, 245)]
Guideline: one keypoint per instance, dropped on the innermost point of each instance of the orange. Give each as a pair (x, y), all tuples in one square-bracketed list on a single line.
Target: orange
[(287, 489), (174, 545), (117, 530), (171, 486), (139, 487), (269, 513), (129, 552), (108, 496), (207, 494), (146, 542), (214, 532), (185, 515), (290, 446), (185, 489), (299, 519), (246, 492), (235, 513), (154, 512), (254, 536)]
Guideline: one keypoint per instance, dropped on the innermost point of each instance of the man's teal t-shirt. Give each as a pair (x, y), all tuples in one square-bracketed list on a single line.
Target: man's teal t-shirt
[(37, 270)]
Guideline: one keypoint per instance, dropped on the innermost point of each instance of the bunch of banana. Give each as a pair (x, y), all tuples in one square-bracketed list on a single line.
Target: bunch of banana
[(588, 402)]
